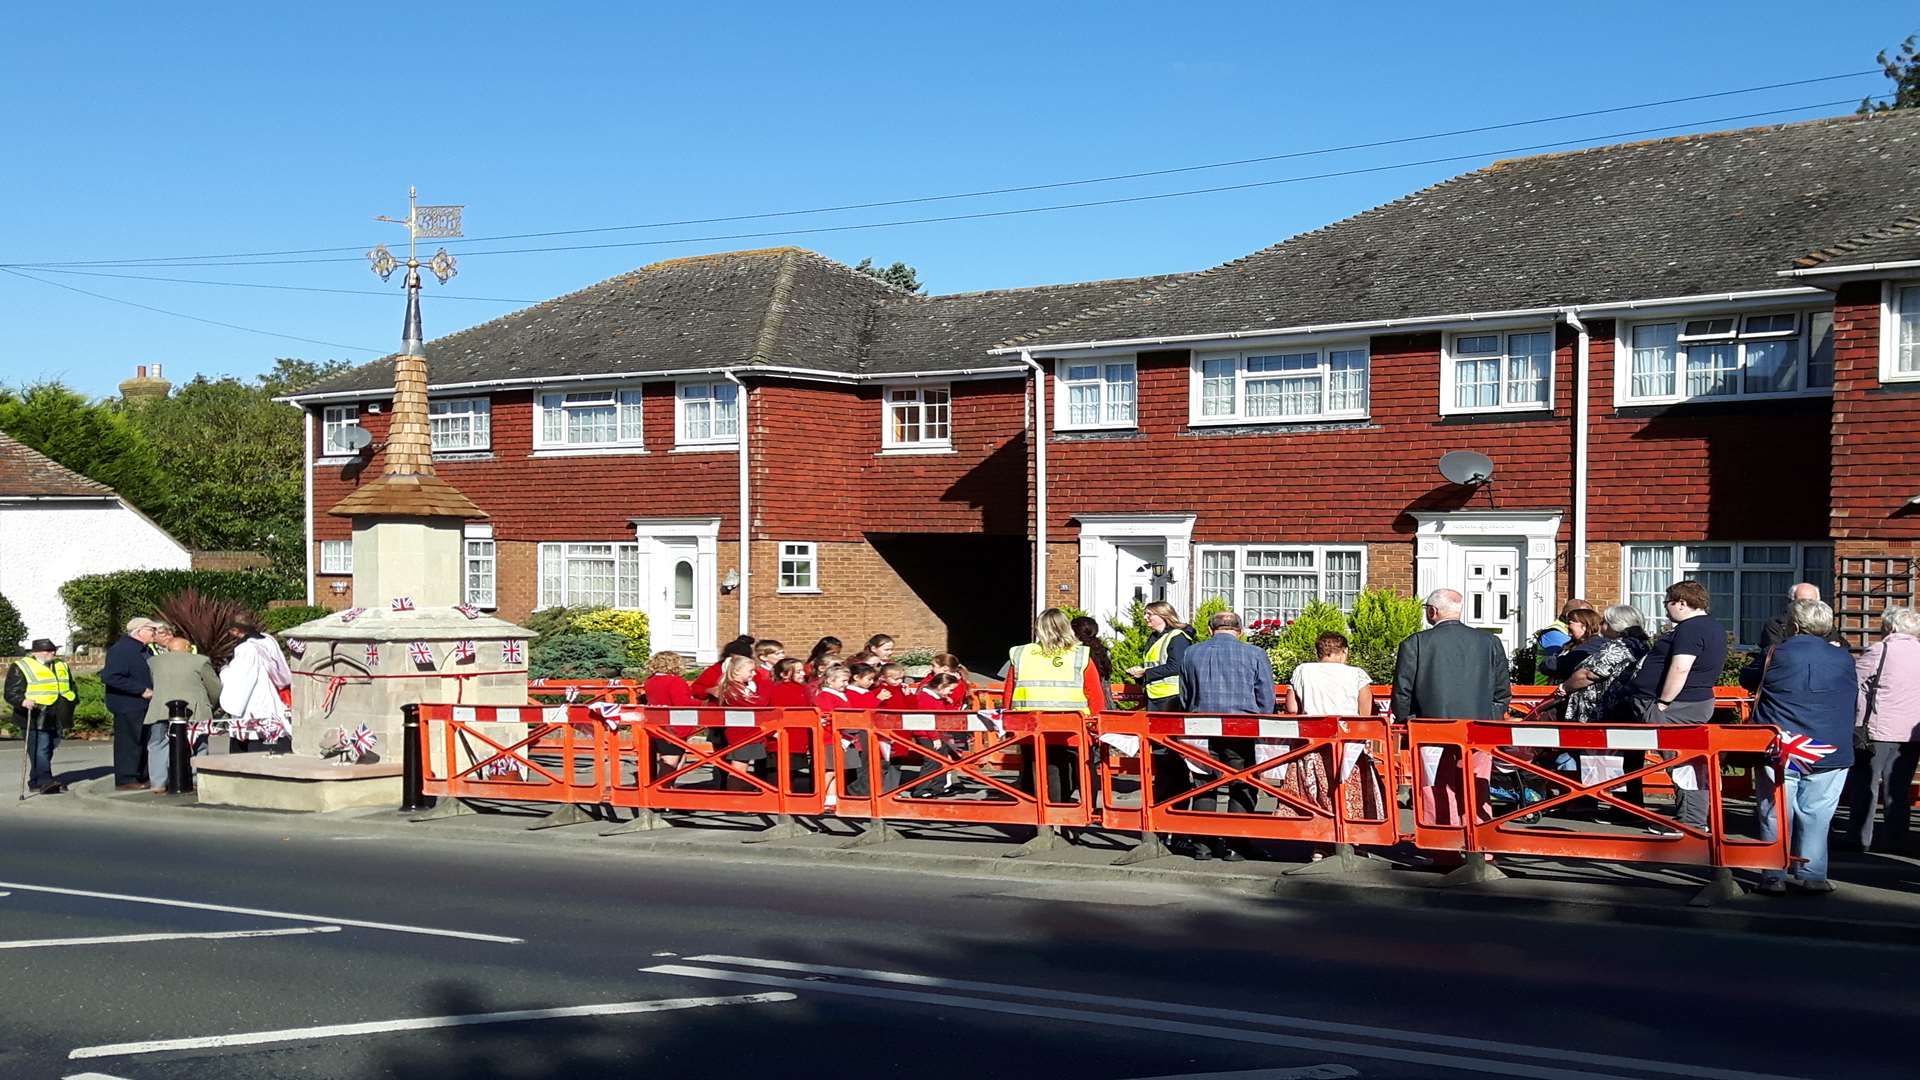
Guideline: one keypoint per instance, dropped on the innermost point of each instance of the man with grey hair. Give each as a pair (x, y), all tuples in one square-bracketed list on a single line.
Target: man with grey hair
[(1806, 688), (1780, 627), (1450, 671), (1226, 675), (1887, 737)]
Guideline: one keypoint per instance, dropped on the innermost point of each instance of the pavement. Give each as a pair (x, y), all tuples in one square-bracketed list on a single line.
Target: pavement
[(147, 938)]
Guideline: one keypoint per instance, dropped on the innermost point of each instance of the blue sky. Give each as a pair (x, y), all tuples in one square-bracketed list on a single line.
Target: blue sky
[(133, 132)]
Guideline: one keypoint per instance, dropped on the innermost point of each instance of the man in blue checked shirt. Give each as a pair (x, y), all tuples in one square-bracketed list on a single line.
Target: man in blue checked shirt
[(1226, 675)]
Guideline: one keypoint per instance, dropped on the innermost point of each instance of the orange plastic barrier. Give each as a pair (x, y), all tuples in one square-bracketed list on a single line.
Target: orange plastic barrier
[(921, 751), (583, 691), (524, 753), (1331, 778), (755, 761), (1443, 782), (1524, 698)]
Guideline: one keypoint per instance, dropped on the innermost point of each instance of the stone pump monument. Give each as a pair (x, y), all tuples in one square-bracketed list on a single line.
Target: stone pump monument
[(409, 636)]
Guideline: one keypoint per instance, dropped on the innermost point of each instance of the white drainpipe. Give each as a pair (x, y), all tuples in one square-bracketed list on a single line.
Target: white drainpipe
[(306, 440), (1582, 413), (746, 527), (1039, 480)]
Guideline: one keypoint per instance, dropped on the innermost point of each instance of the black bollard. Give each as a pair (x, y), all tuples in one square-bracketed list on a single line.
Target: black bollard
[(411, 771), (179, 749)]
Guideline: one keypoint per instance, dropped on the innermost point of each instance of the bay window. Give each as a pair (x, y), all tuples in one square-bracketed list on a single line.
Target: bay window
[(1280, 385), (1264, 582)]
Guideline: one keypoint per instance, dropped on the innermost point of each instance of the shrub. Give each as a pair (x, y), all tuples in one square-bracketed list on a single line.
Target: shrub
[(631, 626), (98, 605), (912, 658), (281, 619), (1208, 609), (556, 620), (13, 629), (1382, 619), (1129, 649), (90, 715), (598, 655), (1294, 644)]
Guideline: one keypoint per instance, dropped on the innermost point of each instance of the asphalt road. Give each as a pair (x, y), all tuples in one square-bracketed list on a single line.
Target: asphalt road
[(607, 962)]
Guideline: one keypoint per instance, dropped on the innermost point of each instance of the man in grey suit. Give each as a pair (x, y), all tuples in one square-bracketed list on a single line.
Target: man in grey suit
[(1450, 671), (1226, 675), (179, 674)]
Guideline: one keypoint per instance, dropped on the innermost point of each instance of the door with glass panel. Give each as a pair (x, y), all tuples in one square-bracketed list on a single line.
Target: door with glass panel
[(677, 625), (1492, 598)]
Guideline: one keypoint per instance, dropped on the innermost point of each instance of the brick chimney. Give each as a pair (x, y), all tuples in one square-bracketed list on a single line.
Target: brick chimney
[(146, 385)]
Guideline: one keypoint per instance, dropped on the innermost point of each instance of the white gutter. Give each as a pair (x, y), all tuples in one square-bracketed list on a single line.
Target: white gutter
[(1582, 413), (1039, 481), (1856, 268), (306, 442), (612, 376), (1409, 323), (746, 527)]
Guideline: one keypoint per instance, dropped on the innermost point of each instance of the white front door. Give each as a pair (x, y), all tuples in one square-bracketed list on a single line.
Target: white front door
[(1133, 575), (677, 626), (1493, 596)]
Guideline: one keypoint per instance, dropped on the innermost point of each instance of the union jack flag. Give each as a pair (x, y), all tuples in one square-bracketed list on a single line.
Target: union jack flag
[(403, 603), (501, 765), (361, 741), (352, 613), (511, 652), (420, 653), (373, 654), (468, 610), (463, 652), (609, 713), (1802, 752), (297, 648)]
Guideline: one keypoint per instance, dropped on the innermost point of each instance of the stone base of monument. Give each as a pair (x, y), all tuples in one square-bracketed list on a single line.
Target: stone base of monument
[(294, 782)]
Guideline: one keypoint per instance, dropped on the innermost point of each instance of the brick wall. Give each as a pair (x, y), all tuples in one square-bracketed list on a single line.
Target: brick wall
[(1876, 428), (860, 595), (1390, 566), (1606, 584)]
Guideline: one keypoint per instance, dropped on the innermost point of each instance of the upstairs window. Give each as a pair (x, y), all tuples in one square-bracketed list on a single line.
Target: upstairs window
[(1097, 394), (709, 413), (918, 418), (1278, 386), (335, 420), (460, 424), (586, 419), (1900, 351), (1498, 372), (1727, 356)]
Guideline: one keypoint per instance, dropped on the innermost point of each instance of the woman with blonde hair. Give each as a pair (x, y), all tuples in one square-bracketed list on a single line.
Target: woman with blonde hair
[(1159, 672), (1053, 673)]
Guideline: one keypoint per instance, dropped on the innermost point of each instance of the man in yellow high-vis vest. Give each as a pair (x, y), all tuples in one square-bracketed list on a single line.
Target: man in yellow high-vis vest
[(40, 689)]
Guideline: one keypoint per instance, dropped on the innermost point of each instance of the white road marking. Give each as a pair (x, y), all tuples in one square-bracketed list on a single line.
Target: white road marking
[(1305, 1072), (157, 901), (125, 939), (423, 1023), (1346, 1049), (90, 1076)]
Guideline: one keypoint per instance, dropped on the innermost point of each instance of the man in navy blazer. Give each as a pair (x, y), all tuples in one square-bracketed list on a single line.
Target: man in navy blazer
[(1450, 671)]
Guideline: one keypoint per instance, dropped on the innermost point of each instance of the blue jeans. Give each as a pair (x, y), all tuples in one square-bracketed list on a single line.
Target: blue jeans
[(40, 744), (1811, 801)]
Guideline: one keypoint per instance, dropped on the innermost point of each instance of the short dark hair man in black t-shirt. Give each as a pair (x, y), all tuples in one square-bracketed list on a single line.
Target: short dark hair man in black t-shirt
[(1675, 683)]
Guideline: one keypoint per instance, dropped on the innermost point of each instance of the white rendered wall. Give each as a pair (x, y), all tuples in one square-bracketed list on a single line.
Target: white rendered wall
[(44, 545)]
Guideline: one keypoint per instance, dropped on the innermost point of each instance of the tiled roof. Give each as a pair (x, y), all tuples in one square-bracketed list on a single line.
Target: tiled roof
[(943, 333), (1693, 215), (1897, 242), (28, 473)]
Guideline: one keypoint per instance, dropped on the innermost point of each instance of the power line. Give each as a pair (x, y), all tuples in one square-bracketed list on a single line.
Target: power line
[(1086, 204), (984, 193), (183, 315)]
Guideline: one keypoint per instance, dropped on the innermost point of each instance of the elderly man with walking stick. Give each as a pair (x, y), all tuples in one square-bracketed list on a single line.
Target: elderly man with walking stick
[(40, 689)]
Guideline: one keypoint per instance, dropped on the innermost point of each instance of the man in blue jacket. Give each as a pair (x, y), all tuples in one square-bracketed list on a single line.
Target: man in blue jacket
[(1806, 688), (129, 685)]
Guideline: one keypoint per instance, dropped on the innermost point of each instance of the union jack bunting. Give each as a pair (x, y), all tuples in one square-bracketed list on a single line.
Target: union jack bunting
[(463, 652), (501, 766), (361, 741), (420, 653), (573, 694), (608, 712), (373, 654), (1802, 752), (511, 652), (468, 610), (403, 603), (352, 613), (297, 648)]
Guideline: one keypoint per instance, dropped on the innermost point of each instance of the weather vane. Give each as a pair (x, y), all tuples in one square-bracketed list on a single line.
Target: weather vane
[(429, 222)]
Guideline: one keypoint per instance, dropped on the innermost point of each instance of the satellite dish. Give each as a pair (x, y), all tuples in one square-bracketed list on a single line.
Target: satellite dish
[(356, 437), (1466, 467)]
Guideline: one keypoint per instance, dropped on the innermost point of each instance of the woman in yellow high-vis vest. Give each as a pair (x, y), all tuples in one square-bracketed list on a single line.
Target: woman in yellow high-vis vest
[(1159, 673), (1053, 673)]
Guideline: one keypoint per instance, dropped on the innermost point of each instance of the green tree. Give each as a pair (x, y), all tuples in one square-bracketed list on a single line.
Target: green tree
[(13, 629), (91, 438), (899, 275), (1903, 68)]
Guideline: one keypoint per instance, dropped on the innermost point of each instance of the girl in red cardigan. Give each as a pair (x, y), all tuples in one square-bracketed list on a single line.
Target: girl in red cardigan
[(825, 652), (955, 693), (789, 690), (665, 686)]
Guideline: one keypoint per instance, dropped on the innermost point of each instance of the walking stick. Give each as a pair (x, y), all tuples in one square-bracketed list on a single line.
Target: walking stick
[(26, 754)]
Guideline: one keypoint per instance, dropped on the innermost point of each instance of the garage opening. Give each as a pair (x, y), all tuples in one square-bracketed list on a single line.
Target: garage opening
[(979, 586)]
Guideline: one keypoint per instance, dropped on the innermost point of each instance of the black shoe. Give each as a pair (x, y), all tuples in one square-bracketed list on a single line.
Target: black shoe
[(1228, 854), (1196, 852), (53, 789)]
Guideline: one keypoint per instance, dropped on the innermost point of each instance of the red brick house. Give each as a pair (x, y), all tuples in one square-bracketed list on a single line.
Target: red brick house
[(1694, 356)]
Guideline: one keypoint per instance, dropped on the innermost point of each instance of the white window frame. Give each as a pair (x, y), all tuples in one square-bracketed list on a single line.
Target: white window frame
[(479, 558), (1105, 379), (1451, 359), (1204, 589), (629, 572), (1898, 297), (334, 421), (921, 391), (1241, 376), (1685, 563), (1688, 327), (336, 557), (619, 395), (477, 412), (706, 391), (797, 554)]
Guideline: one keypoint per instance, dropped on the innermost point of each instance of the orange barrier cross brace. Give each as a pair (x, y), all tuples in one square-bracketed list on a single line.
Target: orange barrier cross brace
[(895, 736), (662, 757), (511, 766)]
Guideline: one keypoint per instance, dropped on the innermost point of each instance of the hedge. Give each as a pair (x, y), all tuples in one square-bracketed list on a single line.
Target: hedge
[(98, 605), (90, 715), (13, 629), (280, 619)]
